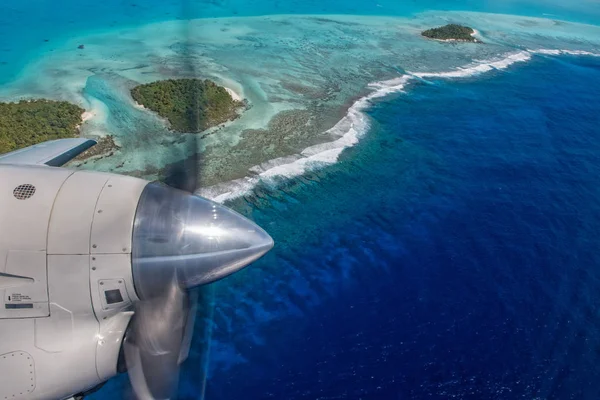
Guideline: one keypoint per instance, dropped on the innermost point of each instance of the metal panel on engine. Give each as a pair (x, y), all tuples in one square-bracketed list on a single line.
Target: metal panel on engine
[(71, 222), (27, 194), (114, 214)]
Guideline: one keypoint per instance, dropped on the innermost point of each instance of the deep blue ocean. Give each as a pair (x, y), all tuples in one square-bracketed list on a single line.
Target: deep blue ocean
[(453, 253)]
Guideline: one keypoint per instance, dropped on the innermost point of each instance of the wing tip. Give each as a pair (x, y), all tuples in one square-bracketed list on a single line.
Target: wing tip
[(53, 153), (70, 154)]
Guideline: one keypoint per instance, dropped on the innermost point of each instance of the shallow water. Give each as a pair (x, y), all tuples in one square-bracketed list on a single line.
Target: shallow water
[(298, 73)]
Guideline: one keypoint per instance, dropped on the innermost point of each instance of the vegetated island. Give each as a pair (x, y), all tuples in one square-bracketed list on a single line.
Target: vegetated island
[(452, 33), (190, 105), (29, 122)]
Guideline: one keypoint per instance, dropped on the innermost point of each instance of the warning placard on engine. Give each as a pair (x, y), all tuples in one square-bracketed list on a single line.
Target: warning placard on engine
[(18, 297)]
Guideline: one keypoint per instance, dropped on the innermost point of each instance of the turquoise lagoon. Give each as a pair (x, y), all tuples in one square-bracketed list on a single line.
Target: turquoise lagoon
[(307, 78)]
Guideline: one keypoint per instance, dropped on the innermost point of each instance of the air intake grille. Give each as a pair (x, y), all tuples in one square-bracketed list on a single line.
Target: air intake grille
[(23, 192)]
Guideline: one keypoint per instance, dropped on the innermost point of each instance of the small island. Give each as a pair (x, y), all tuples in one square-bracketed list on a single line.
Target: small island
[(452, 33), (29, 122), (190, 105)]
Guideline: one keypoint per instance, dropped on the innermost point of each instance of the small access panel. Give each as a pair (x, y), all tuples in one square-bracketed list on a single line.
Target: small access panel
[(113, 294)]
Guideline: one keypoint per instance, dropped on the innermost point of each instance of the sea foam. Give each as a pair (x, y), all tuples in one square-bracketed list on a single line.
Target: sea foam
[(556, 52), (479, 67), (355, 124)]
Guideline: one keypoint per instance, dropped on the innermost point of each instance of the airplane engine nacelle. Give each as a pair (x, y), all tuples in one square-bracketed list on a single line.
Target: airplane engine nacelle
[(66, 285), (81, 250)]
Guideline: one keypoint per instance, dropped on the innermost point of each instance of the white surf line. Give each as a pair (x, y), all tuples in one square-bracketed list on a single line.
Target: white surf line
[(557, 52), (355, 124), (480, 67)]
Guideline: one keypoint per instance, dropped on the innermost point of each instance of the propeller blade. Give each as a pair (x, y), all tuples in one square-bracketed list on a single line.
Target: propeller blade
[(183, 175), (180, 241), (162, 326), (189, 327), (154, 343)]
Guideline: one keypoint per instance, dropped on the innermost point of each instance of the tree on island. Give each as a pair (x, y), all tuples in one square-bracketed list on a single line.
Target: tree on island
[(451, 32), (190, 105), (27, 123)]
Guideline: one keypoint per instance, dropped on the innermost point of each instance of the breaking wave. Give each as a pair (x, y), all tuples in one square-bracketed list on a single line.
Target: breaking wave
[(355, 124), (554, 52), (480, 67)]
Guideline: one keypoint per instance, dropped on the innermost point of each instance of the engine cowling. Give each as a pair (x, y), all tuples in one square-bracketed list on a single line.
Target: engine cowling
[(78, 249)]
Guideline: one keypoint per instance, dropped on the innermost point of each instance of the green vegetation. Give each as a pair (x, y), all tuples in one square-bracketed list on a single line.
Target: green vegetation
[(190, 105), (451, 32), (27, 123)]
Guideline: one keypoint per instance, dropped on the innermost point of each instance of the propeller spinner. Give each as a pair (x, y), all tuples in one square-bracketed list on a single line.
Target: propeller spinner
[(180, 241)]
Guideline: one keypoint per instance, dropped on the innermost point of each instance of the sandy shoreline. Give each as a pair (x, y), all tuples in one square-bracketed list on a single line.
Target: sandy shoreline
[(475, 35), (234, 95), (87, 115)]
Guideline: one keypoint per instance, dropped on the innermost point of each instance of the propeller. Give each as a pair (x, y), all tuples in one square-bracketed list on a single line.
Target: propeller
[(153, 345), (164, 317), (180, 241)]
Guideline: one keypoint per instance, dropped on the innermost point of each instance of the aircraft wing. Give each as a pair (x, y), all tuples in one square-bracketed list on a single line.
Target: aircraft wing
[(53, 153)]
